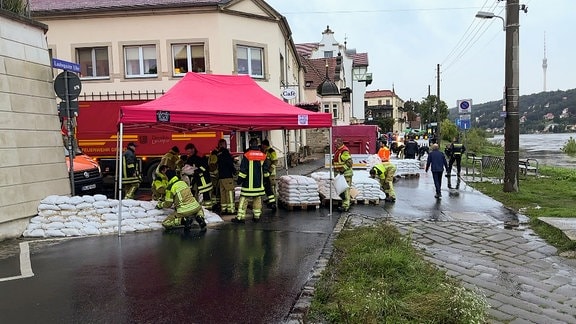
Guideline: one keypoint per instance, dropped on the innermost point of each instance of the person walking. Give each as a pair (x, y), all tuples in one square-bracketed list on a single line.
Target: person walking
[(226, 171), (437, 163), (130, 172), (456, 151), (187, 207), (270, 173), (385, 172), (251, 178), (343, 163)]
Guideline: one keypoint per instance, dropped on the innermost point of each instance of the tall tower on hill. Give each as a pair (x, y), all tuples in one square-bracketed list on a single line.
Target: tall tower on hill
[(544, 62)]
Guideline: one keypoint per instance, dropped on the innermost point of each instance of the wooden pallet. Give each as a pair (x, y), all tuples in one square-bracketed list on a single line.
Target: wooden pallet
[(409, 175), (366, 201), (301, 206)]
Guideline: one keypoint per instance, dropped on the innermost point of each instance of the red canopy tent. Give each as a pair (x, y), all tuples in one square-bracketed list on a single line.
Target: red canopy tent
[(220, 102)]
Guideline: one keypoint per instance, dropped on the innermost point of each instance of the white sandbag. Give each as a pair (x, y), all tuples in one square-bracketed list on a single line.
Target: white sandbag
[(38, 232), (67, 213), (130, 202), (33, 226), (84, 205), (113, 203), (62, 200), (94, 218), (93, 224), (107, 210), (89, 230), (88, 199), (340, 184), (86, 213), (101, 204), (106, 230), (53, 225), (57, 218), (42, 207), (110, 216), (147, 220), (155, 212), (141, 227), (136, 209), (50, 200), (155, 226), (76, 200), (47, 212), (77, 219), (125, 229), (99, 197), (77, 225), (71, 231), (54, 233), (147, 205), (109, 223)]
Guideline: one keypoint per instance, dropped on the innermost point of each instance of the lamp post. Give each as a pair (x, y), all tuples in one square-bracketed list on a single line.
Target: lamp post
[(511, 80), (359, 75)]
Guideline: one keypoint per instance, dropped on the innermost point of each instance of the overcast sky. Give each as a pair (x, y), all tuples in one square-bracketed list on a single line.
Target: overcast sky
[(406, 39)]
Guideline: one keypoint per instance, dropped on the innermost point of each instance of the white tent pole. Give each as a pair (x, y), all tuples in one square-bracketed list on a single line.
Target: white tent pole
[(331, 168), (118, 153), (120, 169)]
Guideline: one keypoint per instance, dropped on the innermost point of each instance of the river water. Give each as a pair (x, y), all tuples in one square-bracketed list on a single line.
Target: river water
[(546, 148)]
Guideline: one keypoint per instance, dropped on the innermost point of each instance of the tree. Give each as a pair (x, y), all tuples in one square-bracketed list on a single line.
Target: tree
[(15, 6), (385, 124), (430, 111), (448, 130)]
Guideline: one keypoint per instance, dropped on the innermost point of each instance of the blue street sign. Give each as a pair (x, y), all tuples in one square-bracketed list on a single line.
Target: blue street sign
[(65, 65), (465, 124)]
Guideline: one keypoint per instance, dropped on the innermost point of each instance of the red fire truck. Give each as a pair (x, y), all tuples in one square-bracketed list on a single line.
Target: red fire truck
[(360, 139), (97, 134)]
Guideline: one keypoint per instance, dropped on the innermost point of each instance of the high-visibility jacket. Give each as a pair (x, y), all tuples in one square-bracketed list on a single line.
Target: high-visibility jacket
[(159, 185), (457, 149), (180, 195), (384, 169), (384, 153), (251, 177), (272, 158), (171, 159), (202, 176), (342, 161), (130, 172)]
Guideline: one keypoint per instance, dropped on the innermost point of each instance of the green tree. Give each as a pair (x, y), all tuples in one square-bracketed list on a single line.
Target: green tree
[(432, 111), (15, 6), (448, 130)]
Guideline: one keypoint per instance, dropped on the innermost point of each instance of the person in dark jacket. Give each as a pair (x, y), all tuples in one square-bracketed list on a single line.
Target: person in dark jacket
[(456, 151), (437, 163), (200, 181), (411, 149), (226, 171), (131, 172), (251, 178)]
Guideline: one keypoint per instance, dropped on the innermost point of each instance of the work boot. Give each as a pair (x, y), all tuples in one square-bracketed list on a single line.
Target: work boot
[(201, 222), (255, 220), (237, 220), (187, 222)]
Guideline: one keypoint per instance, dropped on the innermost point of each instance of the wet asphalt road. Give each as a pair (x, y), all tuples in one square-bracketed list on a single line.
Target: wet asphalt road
[(230, 273)]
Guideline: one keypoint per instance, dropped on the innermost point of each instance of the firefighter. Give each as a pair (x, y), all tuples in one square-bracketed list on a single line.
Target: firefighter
[(171, 159), (130, 172), (251, 179), (160, 183), (385, 172), (384, 151), (187, 207), (343, 163), (270, 166), (213, 170), (200, 181), (226, 171), (456, 151)]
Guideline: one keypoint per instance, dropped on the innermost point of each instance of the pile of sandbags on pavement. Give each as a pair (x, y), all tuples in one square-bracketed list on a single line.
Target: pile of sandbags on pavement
[(298, 190)]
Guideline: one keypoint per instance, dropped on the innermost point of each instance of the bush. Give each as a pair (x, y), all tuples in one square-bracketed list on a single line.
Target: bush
[(569, 146)]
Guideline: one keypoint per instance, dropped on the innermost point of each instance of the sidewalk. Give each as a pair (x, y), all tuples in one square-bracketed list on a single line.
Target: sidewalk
[(521, 276)]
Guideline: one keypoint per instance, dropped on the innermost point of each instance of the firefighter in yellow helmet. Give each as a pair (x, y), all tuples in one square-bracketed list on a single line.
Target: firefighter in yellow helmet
[(343, 163), (385, 172), (130, 172), (269, 169), (187, 207)]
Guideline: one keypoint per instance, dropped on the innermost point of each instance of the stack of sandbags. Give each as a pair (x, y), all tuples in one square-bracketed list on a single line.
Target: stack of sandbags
[(403, 167), (325, 185), (60, 216), (298, 190), (368, 188)]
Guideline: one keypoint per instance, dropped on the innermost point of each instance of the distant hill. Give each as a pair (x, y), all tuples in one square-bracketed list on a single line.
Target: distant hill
[(550, 111)]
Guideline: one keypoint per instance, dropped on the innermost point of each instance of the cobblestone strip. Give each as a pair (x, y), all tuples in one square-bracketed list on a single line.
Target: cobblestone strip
[(521, 276)]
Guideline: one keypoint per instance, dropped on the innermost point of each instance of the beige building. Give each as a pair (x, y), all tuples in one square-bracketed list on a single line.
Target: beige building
[(32, 163), (148, 45), (385, 104)]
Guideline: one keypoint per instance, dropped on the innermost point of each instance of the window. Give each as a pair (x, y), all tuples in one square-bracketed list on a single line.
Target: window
[(188, 57), (387, 102), (327, 108), (328, 54), (140, 61), (335, 110), (93, 62), (250, 60), (282, 79), (379, 102)]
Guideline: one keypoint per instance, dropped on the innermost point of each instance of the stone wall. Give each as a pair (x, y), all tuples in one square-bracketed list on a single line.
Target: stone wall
[(32, 162), (318, 139)]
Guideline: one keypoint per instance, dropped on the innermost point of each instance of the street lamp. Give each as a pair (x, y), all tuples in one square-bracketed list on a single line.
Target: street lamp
[(358, 74), (511, 80)]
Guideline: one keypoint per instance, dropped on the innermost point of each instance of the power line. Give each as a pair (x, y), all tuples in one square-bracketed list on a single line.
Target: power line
[(374, 10)]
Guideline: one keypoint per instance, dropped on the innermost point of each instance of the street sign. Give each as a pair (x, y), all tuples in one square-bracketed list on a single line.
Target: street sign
[(70, 92), (65, 65), (62, 106), (464, 106), (465, 124)]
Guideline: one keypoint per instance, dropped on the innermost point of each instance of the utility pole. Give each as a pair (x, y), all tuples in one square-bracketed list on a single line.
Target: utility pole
[(512, 120), (438, 104)]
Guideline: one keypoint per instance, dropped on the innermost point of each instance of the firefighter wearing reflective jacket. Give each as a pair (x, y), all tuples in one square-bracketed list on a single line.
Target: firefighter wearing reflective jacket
[(251, 179), (130, 172), (385, 172), (187, 207), (269, 169), (456, 150), (160, 183), (200, 181), (343, 163)]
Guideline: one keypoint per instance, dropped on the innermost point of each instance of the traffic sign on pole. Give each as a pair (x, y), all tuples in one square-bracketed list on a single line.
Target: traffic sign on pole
[(65, 65), (464, 106)]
